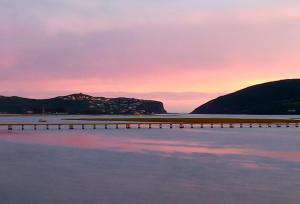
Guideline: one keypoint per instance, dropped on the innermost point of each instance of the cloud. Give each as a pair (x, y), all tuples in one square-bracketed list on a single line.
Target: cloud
[(146, 46), (151, 49)]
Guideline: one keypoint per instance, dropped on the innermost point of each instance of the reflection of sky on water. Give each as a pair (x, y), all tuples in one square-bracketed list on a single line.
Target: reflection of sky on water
[(138, 141), (151, 166)]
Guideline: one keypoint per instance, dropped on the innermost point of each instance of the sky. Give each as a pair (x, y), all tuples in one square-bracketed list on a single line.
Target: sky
[(183, 53)]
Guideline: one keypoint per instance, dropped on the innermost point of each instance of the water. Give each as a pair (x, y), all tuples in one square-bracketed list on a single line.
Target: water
[(150, 166), (60, 118)]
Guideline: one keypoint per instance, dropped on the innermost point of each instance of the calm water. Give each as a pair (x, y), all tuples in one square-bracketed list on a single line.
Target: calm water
[(59, 118), (150, 166)]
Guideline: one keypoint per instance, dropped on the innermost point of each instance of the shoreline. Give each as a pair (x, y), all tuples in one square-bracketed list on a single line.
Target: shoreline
[(191, 120)]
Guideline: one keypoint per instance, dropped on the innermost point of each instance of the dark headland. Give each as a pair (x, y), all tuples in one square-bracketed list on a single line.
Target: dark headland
[(79, 104), (277, 97)]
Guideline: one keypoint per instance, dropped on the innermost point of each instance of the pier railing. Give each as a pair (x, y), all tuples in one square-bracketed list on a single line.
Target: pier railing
[(138, 125)]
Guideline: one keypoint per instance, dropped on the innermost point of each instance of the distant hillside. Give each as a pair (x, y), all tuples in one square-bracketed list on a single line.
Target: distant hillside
[(80, 104), (278, 97)]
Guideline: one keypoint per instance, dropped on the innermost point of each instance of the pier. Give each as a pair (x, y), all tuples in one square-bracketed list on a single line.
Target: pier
[(137, 125)]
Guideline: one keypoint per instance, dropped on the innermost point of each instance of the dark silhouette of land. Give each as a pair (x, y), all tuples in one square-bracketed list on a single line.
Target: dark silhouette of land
[(273, 98), (79, 104)]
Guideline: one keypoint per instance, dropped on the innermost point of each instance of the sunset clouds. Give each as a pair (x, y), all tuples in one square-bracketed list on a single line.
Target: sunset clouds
[(142, 46)]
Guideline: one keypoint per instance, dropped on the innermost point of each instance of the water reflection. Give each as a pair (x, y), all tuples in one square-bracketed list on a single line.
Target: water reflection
[(140, 144), (150, 166)]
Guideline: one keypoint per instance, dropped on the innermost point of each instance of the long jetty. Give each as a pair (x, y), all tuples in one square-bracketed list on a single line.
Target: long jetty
[(138, 125)]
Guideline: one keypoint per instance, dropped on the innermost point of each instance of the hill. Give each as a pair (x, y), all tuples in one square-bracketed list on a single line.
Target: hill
[(277, 97), (79, 104)]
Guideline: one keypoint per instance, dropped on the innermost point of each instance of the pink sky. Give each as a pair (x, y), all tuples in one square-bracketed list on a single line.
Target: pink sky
[(180, 53)]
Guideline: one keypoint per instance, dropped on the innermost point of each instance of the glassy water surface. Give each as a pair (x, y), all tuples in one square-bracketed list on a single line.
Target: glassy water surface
[(150, 166)]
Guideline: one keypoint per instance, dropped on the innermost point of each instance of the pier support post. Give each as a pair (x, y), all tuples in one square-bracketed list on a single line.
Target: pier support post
[(139, 126), (201, 126), (117, 126), (34, 127), (82, 127), (22, 127), (160, 126), (241, 125), (211, 125), (250, 126), (259, 126), (150, 126), (222, 126), (71, 127), (105, 126), (47, 127), (192, 125), (94, 126), (269, 126), (127, 126), (171, 126), (9, 127), (231, 126), (287, 125), (59, 127), (297, 125), (181, 126)]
